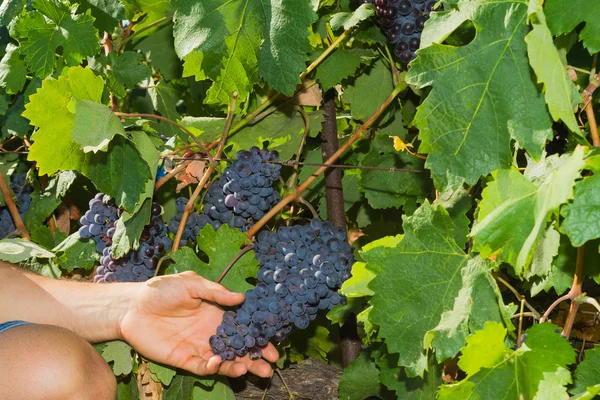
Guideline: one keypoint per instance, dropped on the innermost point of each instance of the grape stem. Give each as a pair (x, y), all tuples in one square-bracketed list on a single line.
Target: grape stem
[(107, 44), (232, 262), (314, 212), (190, 204), (355, 136), (161, 118), (171, 174), (518, 295), (284, 383), (12, 208)]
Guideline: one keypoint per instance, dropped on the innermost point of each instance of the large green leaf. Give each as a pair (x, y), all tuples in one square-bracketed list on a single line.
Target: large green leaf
[(561, 94), (582, 215), (369, 90), (586, 374), (564, 16), (189, 387), (494, 371), (119, 354), (120, 172), (417, 282), (18, 250), (107, 13), (231, 43), (342, 64), (478, 301), (360, 379), (12, 70), (385, 189), (394, 378), (41, 32), (220, 247), (514, 211), (161, 54), (128, 69), (94, 126), (482, 96), (75, 252)]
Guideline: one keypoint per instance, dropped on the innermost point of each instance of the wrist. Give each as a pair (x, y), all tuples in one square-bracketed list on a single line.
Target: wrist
[(123, 305)]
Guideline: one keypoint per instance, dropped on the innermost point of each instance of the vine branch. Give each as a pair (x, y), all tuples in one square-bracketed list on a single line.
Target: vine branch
[(12, 208), (171, 174), (355, 136), (232, 262), (161, 118), (190, 204)]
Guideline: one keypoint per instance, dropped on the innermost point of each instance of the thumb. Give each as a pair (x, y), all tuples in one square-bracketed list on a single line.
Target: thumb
[(201, 288)]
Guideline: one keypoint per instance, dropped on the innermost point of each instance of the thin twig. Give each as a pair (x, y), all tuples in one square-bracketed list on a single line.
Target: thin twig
[(190, 204), (583, 71), (355, 136), (524, 314), (161, 118), (520, 329), (143, 29), (325, 53), (264, 396), (171, 174), (556, 302), (314, 212), (518, 295), (284, 383), (293, 177), (589, 111), (232, 262), (162, 259), (107, 44), (12, 208)]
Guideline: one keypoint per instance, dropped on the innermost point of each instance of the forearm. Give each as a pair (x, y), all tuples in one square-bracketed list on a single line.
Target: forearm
[(93, 311)]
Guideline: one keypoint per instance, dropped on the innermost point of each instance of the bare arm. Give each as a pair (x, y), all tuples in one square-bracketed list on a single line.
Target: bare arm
[(168, 319), (92, 311)]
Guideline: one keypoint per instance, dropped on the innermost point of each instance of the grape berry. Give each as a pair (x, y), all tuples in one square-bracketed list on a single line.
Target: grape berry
[(301, 270), (239, 198), (402, 21)]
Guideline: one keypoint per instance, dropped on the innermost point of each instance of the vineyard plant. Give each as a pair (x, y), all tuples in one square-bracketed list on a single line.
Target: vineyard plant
[(407, 191)]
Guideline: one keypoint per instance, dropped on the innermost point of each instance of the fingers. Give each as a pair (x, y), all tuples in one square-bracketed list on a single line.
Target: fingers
[(258, 367), (201, 366), (233, 369), (202, 288), (270, 353)]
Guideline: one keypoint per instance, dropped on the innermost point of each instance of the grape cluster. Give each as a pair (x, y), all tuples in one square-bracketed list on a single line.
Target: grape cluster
[(302, 268), (138, 265), (22, 192), (239, 198), (99, 221), (402, 22)]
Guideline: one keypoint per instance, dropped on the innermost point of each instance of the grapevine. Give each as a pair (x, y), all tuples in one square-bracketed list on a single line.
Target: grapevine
[(396, 187)]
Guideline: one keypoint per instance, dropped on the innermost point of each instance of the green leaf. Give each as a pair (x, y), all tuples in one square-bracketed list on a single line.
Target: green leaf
[(552, 387), (129, 228), (482, 94), (360, 379), (118, 353), (107, 13), (75, 252), (281, 130), (520, 373), (94, 126), (120, 172), (479, 301), (545, 251), (13, 123), (369, 90), (561, 94), (584, 209), (563, 17), (283, 53), (41, 32), (19, 250), (342, 64), (586, 374), (127, 68), (162, 373), (314, 342), (186, 387), (384, 189), (356, 286), (349, 20), (161, 53), (220, 247), (9, 9), (41, 266), (589, 394), (12, 70), (394, 378), (164, 99), (484, 348), (127, 388), (458, 203), (407, 305), (514, 211), (246, 37)]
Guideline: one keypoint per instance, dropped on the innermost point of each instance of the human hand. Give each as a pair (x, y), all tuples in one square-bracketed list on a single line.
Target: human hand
[(171, 319)]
